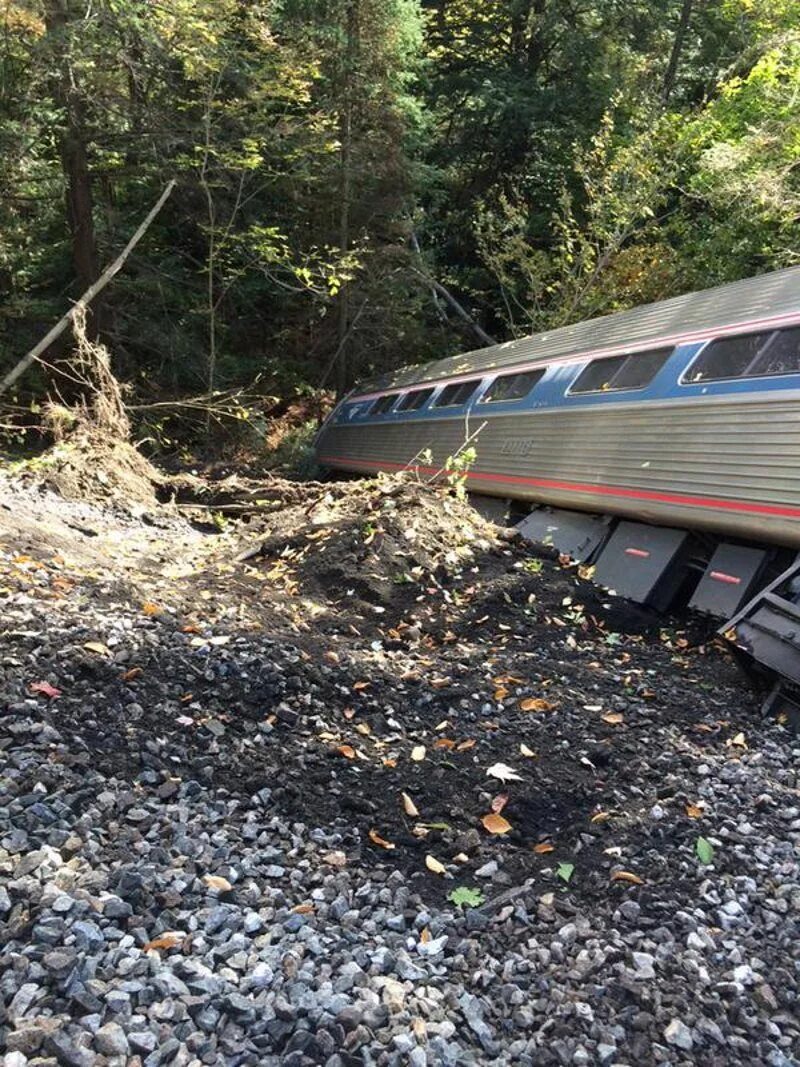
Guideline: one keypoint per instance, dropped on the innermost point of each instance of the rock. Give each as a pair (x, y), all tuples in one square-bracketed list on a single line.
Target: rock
[(678, 1034), (111, 1040), (393, 996)]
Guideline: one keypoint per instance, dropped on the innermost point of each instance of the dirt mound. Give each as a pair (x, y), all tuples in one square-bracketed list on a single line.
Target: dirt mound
[(99, 469), (358, 544)]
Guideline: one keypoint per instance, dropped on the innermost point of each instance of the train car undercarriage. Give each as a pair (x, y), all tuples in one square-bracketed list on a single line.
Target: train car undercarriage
[(751, 591)]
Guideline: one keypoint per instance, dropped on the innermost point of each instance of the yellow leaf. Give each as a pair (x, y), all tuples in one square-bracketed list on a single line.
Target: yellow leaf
[(500, 694), (149, 608), (496, 824), (363, 728), (215, 881), (525, 751), (464, 745), (694, 812), (376, 839), (347, 751), (543, 847), (418, 753), (409, 807), (98, 647), (535, 704), (425, 935), (434, 865), (627, 876), (738, 741), (613, 718), (600, 816)]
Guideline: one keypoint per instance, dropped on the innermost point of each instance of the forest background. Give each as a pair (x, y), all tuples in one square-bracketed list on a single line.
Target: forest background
[(344, 165)]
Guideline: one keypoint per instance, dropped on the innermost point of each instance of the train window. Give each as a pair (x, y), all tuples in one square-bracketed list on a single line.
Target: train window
[(780, 355), (512, 386), (633, 371), (414, 400), (457, 393), (383, 404), (729, 357)]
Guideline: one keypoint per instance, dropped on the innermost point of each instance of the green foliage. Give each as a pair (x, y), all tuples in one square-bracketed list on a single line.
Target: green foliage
[(564, 871), (466, 897), (540, 159), (704, 850), (457, 468)]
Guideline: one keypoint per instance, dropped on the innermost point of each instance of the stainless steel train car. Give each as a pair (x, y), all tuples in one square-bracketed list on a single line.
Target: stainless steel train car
[(681, 416)]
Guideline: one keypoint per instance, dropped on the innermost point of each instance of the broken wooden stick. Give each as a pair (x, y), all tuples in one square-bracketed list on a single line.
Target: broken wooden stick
[(88, 296)]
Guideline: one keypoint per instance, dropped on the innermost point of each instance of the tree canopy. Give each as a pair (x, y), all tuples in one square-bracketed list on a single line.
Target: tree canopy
[(338, 162)]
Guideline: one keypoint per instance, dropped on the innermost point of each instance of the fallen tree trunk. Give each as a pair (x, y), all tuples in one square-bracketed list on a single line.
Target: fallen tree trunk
[(87, 297)]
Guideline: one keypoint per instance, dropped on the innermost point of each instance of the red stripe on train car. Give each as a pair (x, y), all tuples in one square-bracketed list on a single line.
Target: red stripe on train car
[(729, 579), (640, 553), (719, 504)]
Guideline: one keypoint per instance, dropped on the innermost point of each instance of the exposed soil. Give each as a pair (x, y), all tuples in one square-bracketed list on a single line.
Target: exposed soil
[(414, 624)]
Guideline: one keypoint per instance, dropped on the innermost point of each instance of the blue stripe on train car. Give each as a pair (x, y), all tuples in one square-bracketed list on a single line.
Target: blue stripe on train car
[(552, 392)]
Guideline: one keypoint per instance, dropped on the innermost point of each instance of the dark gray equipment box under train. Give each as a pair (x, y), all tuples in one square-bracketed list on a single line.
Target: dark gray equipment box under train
[(644, 563), (573, 533), (732, 574)]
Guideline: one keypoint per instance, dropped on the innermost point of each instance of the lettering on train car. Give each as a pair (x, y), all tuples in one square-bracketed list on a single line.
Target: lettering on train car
[(517, 446)]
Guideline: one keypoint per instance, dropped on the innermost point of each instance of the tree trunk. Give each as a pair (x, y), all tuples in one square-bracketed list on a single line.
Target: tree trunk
[(675, 54), (346, 187), (72, 149)]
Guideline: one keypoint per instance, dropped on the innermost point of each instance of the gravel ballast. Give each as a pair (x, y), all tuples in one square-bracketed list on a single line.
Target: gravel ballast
[(203, 768)]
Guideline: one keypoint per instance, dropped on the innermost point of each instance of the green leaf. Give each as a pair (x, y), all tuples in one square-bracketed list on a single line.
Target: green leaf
[(704, 850), (565, 870), (466, 897)]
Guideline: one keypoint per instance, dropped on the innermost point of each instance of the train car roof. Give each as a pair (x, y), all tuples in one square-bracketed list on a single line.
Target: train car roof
[(768, 300)]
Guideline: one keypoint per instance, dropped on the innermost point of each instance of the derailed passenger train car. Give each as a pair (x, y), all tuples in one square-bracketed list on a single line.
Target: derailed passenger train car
[(662, 442)]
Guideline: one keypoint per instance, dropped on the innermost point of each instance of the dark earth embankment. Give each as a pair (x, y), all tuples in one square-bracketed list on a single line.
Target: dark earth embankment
[(248, 760)]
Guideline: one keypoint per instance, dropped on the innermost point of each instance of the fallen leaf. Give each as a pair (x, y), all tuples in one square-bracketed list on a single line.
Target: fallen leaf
[(418, 753), (134, 672), (434, 865), (303, 909), (464, 745), (45, 689), (565, 871), (503, 772), (627, 876), (360, 685), (737, 742), (500, 694), (543, 847), (465, 896), (704, 850), (499, 803), (170, 939), (331, 656), (613, 718), (149, 608), (425, 935), (363, 728), (376, 839), (444, 742), (347, 751), (98, 647), (216, 881), (525, 751), (409, 807), (535, 704), (694, 812), (601, 816), (440, 683), (496, 824)]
